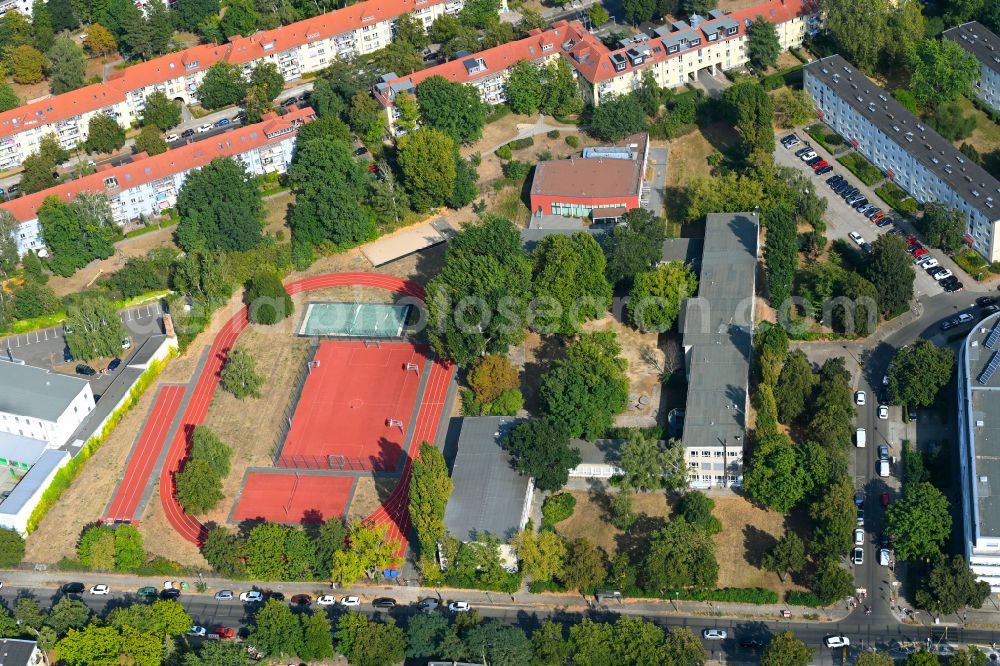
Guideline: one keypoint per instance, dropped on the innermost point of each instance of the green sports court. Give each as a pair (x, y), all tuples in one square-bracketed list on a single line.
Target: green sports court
[(354, 320)]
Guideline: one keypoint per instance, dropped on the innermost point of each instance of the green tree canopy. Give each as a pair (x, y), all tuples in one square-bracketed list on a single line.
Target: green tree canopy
[(657, 295), (451, 107), (427, 160), (524, 87), (198, 487), (781, 252), (368, 643), (222, 86), (542, 449), (942, 72), (680, 557), (67, 66), (150, 141), (267, 299), (220, 207), (786, 650), (833, 518), (774, 477), (239, 375), (207, 446), (569, 283), (890, 269), (104, 134), (430, 488), (617, 118), (795, 386), (763, 47), (161, 111), (94, 329), (753, 113), (11, 548), (28, 64), (635, 246), (787, 556), (918, 372), (649, 464), (951, 585), (859, 28), (832, 582), (919, 522), (276, 630), (943, 227)]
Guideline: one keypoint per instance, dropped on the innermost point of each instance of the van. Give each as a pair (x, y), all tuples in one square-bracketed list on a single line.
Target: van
[(882, 467), (860, 438)]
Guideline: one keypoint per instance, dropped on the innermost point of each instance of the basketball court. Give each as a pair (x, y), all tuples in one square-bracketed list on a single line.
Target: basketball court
[(356, 404), (293, 497), (354, 320)]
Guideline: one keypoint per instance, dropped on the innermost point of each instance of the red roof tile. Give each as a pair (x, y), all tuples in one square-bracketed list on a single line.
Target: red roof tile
[(59, 107), (144, 169)]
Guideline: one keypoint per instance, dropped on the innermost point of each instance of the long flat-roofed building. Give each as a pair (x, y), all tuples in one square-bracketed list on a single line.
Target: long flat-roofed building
[(984, 46), (40, 404), (150, 184), (717, 327), (912, 155)]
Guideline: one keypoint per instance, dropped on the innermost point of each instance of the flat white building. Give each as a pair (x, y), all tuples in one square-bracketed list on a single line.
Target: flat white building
[(299, 48), (913, 156), (42, 405), (985, 47), (149, 185)]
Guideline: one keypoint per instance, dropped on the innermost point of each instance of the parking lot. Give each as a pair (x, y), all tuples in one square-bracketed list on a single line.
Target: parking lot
[(842, 219), (46, 348)]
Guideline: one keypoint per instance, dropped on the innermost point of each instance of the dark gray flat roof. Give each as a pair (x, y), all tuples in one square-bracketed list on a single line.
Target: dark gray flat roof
[(35, 392), (985, 438), (930, 149), (687, 250), (489, 493), (975, 38), (33, 480), (717, 327), (144, 354), (597, 451), (530, 238), (112, 395), (16, 652)]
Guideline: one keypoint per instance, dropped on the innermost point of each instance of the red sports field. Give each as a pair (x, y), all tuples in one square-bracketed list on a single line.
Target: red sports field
[(347, 402), (293, 498)]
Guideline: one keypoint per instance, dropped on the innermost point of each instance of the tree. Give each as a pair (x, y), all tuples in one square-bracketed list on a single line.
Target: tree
[(316, 641), (90, 645), (161, 111), (781, 252), (28, 64), (728, 193), (943, 227), (206, 445), (570, 286), (919, 522), (542, 555), (8, 242), (635, 246), (859, 29), (561, 92), (763, 47), (100, 41), (649, 464), (62, 15), (11, 548), (622, 515), (424, 634), (150, 141), (833, 518), (410, 29), (218, 653), (787, 556), (94, 329), (786, 650), (874, 659), (220, 207), (639, 11), (41, 26), (774, 477), (276, 630), (831, 581), (890, 269), (833, 407), (794, 387), (67, 614), (409, 112), (680, 557), (598, 15), (67, 66), (430, 488), (366, 118), (329, 184), (753, 113), (198, 488), (221, 551), (524, 87), (222, 86), (922, 658), (368, 643), (549, 644), (587, 388), (617, 118), (267, 299), (267, 77), (951, 585), (793, 107), (499, 643), (656, 296), (970, 656), (239, 18), (34, 299), (104, 134), (696, 508), (426, 158), (451, 107), (129, 553), (542, 449), (918, 372), (8, 98), (492, 375), (370, 549), (239, 375), (942, 72), (589, 566)]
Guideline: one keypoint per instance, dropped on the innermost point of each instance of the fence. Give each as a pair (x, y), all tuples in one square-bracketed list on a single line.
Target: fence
[(293, 401), (331, 462)]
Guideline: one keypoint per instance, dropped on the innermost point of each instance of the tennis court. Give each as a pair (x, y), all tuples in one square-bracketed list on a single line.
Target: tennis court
[(292, 497), (354, 320), (355, 406)]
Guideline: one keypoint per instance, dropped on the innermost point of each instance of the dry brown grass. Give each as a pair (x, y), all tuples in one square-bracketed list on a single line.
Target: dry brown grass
[(369, 493), (589, 517), (646, 361), (276, 211)]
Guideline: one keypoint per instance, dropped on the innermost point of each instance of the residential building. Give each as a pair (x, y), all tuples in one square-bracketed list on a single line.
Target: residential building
[(21, 6), (979, 448), (599, 458), (299, 48), (717, 327), (913, 156), (985, 47), (603, 184), (150, 184), (40, 404), (20, 652)]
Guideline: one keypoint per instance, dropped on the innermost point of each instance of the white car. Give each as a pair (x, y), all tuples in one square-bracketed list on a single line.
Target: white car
[(428, 605), (941, 275), (883, 557), (459, 607), (100, 588), (858, 556), (326, 600), (856, 237), (965, 318), (882, 467), (171, 585), (204, 128), (805, 157), (170, 138), (714, 635), (883, 412), (837, 641), (859, 398), (860, 438), (197, 631), (350, 602), (859, 537), (930, 263), (252, 597)]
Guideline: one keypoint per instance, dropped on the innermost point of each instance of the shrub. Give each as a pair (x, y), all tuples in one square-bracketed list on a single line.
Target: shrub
[(11, 548), (503, 152), (743, 595), (508, 403), (866, 172), (520, 144), (492, 375), (268, 301), (553, 134), (834, 139), (573, 141), (799, 598), (557, 508), (516, 171)]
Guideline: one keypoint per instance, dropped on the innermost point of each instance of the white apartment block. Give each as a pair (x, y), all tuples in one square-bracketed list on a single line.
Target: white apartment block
[(149, 185), (985, 47), (299, 48), (21, 6), (42, 405), (913, 156)]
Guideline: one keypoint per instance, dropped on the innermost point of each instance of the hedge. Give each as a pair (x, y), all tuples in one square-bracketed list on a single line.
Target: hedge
[(65, 476), (743, 595), (866, 172), (797, 598), (791, 77), (972, 263), (897, 198)]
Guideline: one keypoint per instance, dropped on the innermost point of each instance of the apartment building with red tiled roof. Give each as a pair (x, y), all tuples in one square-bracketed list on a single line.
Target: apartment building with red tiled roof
[(149, 184), (297, 49)]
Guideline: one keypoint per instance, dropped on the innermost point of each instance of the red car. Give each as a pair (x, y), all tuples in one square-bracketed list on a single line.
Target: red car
[(820, 165), (919, 252), (884, 497), (224, 632)]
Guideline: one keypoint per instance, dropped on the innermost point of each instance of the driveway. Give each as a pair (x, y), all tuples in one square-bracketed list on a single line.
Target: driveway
[(713, 86), (654, 187)]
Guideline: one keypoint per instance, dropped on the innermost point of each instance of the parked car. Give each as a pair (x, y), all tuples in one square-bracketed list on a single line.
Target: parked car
[(858, 205), (883, 412), (84, 369), (884, 222), (919, 252), (170, 138), (147, 592), (805, 157), (224, 632), (301, 600), (115, 362), (790, 140), (833, 180), (860, 438), (965, 318), (984, 301), (73, 588), (859, 398), (187, 133), (170, 594), (859, 497), (428, 605), (204, 128), (197, 630), (942, 274), (714, 634), (802, 151), (927, 262), (222, 122), (100, 589), (883, 557), (350, 602), (326, 600), (948, 324), (384, 602), (459, 607), (224, 595), (884, 499), (882, 467), (952, 284), (856, 237), (824, 170), (882, 451), (358, 152), (252, 597), (989, 310), (860, 517), (858, 556), (859, 537), (836, 641)]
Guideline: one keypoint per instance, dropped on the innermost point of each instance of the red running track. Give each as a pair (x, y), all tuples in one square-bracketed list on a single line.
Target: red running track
[(208, 381), (147, 450)]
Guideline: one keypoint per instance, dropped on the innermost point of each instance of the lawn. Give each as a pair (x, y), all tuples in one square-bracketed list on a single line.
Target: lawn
[(825, 137), (986, 137), (866, 172), (897, 198)]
